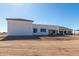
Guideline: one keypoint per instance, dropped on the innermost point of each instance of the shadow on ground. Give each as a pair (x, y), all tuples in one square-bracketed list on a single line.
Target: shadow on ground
[(8, 38)]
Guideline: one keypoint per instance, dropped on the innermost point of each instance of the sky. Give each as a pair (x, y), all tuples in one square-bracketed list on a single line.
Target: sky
[(63, 14)]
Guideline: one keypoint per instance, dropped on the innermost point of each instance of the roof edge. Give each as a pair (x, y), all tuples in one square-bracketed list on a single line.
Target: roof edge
[(19, 19)]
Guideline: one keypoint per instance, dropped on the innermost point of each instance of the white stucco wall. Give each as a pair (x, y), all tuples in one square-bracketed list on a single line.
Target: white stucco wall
[(19, 28), (47, 27)]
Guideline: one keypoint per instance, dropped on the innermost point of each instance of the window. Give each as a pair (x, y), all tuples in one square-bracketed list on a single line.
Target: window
[(43, 30), (34, 30)]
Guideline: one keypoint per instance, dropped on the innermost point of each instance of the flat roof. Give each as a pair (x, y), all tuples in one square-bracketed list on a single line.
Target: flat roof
[(61, 27), (19, 19)]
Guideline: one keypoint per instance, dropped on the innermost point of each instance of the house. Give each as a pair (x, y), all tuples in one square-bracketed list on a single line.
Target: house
[(76, 32), (21, 27)]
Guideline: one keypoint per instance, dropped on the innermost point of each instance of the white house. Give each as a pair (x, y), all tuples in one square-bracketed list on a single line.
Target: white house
[(22, 27)]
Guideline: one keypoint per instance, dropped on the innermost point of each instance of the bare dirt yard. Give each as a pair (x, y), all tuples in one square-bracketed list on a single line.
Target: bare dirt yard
[(39, 46)]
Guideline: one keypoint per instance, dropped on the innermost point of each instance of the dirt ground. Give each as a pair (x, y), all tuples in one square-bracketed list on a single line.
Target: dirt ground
[(42, 46)]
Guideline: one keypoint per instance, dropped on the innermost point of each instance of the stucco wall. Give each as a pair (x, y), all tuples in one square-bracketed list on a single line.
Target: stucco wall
[(47, 27), (26, 28), (19, 27)]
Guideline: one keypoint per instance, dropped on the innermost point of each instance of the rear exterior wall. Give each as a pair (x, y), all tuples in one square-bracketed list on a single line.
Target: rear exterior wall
[(47, 27)]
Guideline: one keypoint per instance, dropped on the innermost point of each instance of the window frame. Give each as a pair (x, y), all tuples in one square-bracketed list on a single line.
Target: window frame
[(42, 30), (35, 30)]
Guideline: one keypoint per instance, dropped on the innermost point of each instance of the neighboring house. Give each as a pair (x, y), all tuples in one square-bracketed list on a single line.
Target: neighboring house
[(21, 27), (76, 32)]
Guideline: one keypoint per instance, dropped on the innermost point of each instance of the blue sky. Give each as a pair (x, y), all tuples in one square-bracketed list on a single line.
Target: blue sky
[(58, 14)]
